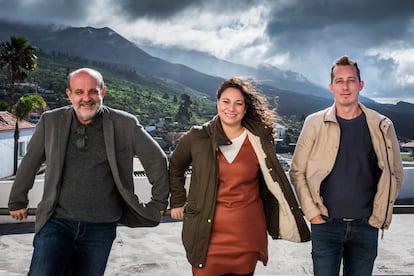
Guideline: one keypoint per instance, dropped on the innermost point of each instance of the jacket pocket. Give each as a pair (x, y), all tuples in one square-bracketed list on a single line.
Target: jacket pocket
[(191, 225), (190, 208)]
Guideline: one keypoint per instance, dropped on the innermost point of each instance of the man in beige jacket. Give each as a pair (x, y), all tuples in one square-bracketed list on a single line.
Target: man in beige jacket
[(347, 171)]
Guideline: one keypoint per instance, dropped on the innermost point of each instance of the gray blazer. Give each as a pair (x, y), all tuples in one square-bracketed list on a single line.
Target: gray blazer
[(124, 138)]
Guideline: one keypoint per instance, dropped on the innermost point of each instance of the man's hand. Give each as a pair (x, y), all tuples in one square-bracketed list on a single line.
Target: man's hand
[(19, 214), (317, 220), (177, 213)]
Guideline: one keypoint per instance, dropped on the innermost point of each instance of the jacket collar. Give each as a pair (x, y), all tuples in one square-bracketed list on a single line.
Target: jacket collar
[(330, 115), (372, 117), (214, 129)]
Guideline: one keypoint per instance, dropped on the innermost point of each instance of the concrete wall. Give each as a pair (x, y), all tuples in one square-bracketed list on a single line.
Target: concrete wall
[(141, 185), (143, 189), (406, 194)]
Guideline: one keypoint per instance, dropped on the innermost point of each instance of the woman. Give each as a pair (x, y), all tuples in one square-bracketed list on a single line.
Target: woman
[(238, 188)]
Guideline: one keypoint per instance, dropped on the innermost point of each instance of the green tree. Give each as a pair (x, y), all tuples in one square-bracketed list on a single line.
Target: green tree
[(24, 107), (3, 106), (19, 56), (287, 139), (184, 112)]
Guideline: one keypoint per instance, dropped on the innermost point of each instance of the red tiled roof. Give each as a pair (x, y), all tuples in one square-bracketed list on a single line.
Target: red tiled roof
[(408, 145), (8, 122)]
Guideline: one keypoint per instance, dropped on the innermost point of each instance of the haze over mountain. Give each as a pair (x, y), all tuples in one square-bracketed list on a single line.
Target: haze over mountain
[(211, 65), (296, 35), (294, 93)]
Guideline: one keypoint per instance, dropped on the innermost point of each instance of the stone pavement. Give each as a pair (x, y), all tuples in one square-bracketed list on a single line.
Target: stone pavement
[(158, 251)]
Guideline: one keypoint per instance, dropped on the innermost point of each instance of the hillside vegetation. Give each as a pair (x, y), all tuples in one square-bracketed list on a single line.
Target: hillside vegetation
[(150, 98)]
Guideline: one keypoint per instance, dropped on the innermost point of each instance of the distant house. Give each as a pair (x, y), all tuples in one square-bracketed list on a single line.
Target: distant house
[(7, 126), (150, 128), (408, 146), (280, 130)]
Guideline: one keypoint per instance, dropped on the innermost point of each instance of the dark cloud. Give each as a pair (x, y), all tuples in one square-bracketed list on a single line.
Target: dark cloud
[(314, 33), (45, 12), (316, 14), (9, 5), (156, 9), (164, 9), (301, 35), (361, 22)]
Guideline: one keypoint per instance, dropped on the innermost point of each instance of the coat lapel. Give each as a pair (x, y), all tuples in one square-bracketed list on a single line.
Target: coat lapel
[(109, 132), (64, 124)]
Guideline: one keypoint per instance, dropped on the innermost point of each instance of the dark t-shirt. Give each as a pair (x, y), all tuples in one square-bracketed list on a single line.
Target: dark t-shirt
[(349, 190), (88, 192)]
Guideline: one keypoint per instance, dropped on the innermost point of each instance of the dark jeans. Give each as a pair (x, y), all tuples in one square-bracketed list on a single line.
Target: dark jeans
[(66, 247), (356, 242)]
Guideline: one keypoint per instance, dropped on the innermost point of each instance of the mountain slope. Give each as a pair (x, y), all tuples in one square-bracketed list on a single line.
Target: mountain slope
[(296, 95), (105, 45), (208, 64)]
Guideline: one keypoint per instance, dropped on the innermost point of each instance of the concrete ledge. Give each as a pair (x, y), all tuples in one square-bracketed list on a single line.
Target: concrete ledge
[(158, 251)]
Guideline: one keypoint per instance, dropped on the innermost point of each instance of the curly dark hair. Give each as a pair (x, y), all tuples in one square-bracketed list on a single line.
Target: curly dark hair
[(257, 105)]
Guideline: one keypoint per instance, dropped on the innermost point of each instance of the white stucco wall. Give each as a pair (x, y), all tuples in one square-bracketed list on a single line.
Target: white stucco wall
[(7, 149), (6, 153)]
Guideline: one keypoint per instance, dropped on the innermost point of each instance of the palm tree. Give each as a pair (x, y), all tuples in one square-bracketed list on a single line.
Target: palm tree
[(20, 58), (4, 106), (24, 107)]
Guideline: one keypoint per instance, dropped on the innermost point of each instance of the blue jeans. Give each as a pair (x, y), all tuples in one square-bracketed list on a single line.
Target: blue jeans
[(356, 242), (66, 247)]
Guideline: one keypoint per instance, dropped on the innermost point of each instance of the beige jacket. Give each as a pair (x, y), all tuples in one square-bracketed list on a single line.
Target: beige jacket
[(315, 156)]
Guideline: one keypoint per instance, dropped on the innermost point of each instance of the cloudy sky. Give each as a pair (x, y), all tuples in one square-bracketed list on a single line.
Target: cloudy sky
[(299, 35)]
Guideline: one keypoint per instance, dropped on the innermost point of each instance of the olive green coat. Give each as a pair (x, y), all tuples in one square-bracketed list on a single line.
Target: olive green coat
[(199, 148)]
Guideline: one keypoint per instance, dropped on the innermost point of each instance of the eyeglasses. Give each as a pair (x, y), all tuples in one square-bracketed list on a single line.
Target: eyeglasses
[(81, 140)]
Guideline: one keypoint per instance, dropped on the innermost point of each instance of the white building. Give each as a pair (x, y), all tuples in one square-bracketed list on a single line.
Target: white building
[(7, 127), (280, 130)]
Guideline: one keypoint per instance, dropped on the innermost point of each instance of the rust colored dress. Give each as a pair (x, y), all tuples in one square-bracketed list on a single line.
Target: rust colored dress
[(239, 236)]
